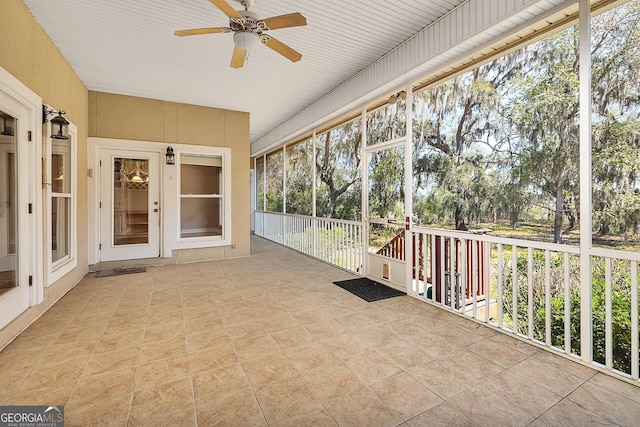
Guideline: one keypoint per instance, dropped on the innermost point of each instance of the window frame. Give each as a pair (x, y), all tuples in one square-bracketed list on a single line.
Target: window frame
[(59, 268), (224, 197)]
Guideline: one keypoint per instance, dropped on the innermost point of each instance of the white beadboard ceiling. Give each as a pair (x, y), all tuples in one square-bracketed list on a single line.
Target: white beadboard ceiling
[(128, 47)]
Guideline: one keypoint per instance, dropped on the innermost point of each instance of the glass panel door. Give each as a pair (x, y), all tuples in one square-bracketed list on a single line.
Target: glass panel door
[(386, 215), (130, 213), (386, 202), (8, 204), (130, 201), (15, 226)]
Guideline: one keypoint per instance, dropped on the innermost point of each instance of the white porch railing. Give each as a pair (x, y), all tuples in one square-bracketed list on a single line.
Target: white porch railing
[(532, 290), (338, 242), (525, 288)]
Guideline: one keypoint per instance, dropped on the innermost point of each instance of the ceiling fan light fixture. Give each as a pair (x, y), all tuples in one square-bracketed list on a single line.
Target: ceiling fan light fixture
[(246, 40)]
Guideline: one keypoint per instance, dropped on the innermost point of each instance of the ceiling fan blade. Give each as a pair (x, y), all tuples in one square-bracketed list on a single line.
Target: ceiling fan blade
[(195, 31), (237, 59), (285, 21), (226, 8), (283, 49)]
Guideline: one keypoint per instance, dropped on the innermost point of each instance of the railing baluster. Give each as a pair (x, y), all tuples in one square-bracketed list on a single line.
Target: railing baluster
[(443, 257), (514, 284), (530, 293), (347, 245), (500, 286), (486, 288), (475, 274), (422, 260), (547, 297), (414, 263), (567, 303), (634, 320), (434, 271), (608, 333), (453, 252)]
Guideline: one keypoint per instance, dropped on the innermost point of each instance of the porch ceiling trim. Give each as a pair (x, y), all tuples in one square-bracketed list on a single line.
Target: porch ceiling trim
[(474, 26)]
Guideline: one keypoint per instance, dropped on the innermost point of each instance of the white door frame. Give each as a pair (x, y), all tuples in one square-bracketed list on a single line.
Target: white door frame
[(375, 264), (107, 250), (20, 102), (402, 270)]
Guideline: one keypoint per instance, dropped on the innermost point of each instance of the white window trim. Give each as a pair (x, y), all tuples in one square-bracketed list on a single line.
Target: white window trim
[(57, 270), (207, 241)]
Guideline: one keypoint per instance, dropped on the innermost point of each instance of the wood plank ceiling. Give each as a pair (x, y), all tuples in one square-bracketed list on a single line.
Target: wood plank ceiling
[(128, 47)]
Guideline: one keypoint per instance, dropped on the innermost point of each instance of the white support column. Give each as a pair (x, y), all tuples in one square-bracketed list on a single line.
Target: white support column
[(314, 223), (586, 327), (284, 179), (364, 203), (408, 191), (285, 225), (264, 192), (264, 182)]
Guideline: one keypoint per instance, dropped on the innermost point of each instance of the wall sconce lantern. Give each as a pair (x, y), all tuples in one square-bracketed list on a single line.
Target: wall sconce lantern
[(171, 158), (59, 125)]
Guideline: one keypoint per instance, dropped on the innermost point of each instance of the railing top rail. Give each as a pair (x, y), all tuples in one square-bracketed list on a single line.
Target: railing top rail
[(470, 235), (615, 253), (316, 218)]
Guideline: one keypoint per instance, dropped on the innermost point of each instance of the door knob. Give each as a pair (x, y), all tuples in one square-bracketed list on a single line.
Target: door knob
[(155, 210)]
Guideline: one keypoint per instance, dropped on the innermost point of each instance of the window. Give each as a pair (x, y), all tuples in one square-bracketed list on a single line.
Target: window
[(61, 177), (338, 186), (202, 196), (274, 174), (260, 183), (299, 166)]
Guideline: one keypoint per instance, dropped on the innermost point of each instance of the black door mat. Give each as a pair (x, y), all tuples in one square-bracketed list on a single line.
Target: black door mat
[(120, 271), (369, 290)]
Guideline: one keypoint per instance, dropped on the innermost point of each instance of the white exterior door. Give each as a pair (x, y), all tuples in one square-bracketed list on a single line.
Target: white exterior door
[(15, 234), (385, 214), (129, 205)]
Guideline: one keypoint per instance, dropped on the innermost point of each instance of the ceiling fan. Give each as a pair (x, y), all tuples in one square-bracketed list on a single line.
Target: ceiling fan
[(249, 31)]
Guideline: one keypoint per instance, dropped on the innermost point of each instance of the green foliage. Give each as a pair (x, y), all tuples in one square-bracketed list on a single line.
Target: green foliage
[(386, 184), (620, 303), (259, 183), (387, 123), (338, 169), (274, 171), (299, 178)]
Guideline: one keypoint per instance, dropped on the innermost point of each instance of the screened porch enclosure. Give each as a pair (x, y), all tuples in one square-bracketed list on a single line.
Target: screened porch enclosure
[(506, 193)]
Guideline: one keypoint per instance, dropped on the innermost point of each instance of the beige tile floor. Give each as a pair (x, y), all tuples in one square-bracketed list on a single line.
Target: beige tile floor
[(269, 340)]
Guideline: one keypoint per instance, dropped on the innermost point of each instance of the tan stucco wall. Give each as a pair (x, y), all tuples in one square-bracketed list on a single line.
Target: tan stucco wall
[(30, 56), (142, 119)]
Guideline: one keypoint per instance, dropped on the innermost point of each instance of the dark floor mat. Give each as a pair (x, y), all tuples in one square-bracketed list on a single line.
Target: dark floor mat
[(119, 271), (369, 290)]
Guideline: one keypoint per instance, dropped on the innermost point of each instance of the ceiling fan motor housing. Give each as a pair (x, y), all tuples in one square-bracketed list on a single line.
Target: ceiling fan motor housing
[(248, 22)]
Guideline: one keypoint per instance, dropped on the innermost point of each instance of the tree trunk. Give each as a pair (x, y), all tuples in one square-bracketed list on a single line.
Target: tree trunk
[(557, 222), (331, 205), (459, 220)]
